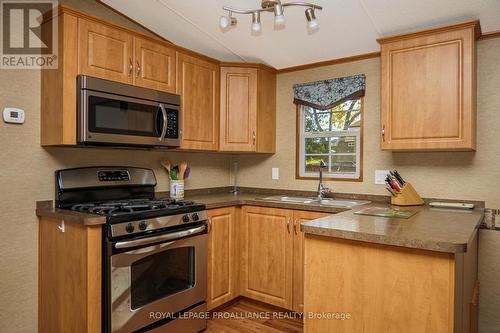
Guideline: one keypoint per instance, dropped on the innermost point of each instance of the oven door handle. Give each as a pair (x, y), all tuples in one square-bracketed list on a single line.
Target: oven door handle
[(162, 238), (165, 122)]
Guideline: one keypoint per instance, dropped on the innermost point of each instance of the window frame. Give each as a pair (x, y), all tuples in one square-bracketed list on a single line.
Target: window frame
[(299, 148)]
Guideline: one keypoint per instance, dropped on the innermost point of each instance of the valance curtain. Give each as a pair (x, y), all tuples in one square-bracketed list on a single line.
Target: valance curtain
[(327, 94)]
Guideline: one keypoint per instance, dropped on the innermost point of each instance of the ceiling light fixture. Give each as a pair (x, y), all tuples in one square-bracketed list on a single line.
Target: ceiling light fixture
[(274, 6)]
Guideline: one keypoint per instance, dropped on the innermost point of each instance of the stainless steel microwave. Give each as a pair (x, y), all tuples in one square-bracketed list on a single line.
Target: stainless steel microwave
[(113, 113)]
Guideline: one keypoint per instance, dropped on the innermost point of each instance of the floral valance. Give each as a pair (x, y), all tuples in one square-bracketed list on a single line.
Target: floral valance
[(326, 94)]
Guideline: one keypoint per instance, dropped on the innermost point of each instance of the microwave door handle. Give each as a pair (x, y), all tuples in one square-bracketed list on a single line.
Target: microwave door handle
[(165, 122), (163, 238)]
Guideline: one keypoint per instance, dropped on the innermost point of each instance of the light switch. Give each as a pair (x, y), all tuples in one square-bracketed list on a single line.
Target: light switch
[(275, 173), (380, 176)]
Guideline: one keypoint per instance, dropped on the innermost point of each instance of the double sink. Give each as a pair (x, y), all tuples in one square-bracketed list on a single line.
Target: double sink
[(340, 203)]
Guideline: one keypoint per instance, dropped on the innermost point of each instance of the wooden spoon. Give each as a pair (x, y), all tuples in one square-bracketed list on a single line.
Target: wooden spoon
[(182, 169), (166, 165)]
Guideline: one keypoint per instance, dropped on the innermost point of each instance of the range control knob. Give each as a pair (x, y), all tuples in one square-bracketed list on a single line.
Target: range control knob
[(143, 225), (129, 228), (185, 218), (195, 217)]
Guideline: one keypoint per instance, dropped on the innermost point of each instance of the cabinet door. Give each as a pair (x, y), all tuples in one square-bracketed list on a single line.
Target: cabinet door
[(221, 257), (154, 65), (266, 264), (104, 52), (238, 109), (428, 92), (298, 256), (198, 85)]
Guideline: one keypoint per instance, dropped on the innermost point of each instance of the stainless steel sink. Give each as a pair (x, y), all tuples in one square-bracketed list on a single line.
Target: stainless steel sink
[(282, 198), (343, 203)]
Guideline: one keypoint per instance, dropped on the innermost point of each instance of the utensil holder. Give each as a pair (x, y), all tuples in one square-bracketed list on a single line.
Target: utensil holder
[(177, 189), (407, 197)]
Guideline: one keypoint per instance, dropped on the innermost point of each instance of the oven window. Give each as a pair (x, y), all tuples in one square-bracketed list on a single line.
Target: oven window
[(161, 275), (108, 115)]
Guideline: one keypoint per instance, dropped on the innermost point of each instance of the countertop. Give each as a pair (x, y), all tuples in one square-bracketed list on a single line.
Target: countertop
[(435, 229), (443, 230)]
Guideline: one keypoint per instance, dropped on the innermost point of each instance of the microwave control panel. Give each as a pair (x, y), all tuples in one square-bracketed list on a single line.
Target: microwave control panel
[(172, 124)]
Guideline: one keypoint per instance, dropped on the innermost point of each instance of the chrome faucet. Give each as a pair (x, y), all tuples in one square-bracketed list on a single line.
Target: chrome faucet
[(322, 190)]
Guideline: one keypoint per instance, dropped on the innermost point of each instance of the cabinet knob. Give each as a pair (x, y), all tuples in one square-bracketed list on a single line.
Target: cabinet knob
[(253, 137), (138, 69), (383, 132), (130, 67)]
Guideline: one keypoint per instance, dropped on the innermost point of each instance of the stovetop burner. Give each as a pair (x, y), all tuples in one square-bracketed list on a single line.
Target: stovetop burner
[(124, 207)]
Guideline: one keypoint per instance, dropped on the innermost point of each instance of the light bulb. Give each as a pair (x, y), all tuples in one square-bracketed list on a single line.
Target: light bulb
[(256, 27), (313, 25), (279, 21), (224, 22)]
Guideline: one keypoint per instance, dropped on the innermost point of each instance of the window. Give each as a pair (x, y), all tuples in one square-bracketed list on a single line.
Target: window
[(334, 136)]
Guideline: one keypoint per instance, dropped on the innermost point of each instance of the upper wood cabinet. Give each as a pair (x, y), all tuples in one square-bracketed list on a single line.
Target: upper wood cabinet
[(154, 65), (428, 89), (248, 109), (198, 85), (117, 55), (222, 263), (105, 52)]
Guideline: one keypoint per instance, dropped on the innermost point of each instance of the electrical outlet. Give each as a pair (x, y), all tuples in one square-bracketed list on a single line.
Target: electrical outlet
[(275, 172), (380, 176)]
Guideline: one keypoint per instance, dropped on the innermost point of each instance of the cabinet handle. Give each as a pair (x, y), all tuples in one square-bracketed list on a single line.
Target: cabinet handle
[(61, 227), (209, 225), (288, 225), (383, 133), (130, 67), (138, 69), (295, 226), (253, 138)]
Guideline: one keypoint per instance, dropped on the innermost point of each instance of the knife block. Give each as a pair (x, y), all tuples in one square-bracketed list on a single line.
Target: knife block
[(407, 197)]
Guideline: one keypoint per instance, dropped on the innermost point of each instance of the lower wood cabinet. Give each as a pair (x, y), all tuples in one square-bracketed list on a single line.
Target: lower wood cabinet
[(222, 255), (69, 277), (272, 255), (298, 256), (266, 258)]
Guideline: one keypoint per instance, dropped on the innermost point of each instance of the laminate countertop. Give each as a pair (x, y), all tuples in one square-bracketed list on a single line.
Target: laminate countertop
[(443, 230)]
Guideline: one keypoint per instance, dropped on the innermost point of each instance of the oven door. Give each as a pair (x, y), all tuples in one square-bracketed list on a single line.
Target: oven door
[(162, 278), (114, 119)]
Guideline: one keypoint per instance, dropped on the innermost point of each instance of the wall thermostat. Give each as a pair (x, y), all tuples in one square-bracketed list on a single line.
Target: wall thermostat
[(13, 115)]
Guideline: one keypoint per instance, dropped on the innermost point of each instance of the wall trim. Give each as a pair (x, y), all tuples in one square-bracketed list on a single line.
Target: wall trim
[(490, 35), (330, 62)]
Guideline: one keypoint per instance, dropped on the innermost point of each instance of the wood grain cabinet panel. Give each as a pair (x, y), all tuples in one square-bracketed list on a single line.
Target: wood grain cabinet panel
[(154, 65), (298, 256), (105, 52), (266, 264), (222, 273), (198, 85), (69, 277), (428, 92), (248, 109)]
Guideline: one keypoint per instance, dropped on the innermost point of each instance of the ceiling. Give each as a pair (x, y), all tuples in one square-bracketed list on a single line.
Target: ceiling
[(347, 27)]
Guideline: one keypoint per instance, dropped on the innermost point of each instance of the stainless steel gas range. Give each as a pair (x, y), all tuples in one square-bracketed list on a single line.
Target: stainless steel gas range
[(155, 251)]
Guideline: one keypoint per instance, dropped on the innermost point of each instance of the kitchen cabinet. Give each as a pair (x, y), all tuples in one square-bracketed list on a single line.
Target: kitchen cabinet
[(428, 89), (266, 262), (272, 255), (247, 109), (222, 256), (105, 52), (154, 65), (69, 277), (298, 256), (198, 85)]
